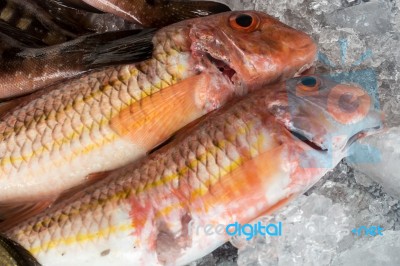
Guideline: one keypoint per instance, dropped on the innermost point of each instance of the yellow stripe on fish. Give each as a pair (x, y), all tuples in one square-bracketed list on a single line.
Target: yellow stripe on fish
[(163, 180)]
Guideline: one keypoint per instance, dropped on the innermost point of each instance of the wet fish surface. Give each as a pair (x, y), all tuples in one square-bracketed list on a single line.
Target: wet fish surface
[(62, 137), (243, 161), (158, 13), (25, 70)]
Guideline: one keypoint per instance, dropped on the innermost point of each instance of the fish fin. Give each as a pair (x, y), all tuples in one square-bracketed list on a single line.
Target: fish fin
[(154, 119), (17, 252), (113, 48), (76, 4), (93, 178), (90, 180), (14, 213), (182, 132), (9, 105), (18, 37), (193, 9), (160, 13)]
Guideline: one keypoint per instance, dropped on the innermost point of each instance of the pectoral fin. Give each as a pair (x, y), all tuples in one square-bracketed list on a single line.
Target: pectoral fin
[(14, 213), (155, 118)]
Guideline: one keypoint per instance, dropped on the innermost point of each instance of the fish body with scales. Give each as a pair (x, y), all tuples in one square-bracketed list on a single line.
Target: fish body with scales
[(234, 165), (56, 138), (26, 69)]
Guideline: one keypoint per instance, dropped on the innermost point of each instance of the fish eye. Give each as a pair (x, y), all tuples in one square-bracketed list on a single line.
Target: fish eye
[(309, 83), (244, 22)]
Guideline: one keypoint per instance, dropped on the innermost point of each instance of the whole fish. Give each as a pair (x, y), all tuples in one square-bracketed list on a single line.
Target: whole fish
[(56, 139), (239, 163), (12, 254), (25, 70), (158, 13)]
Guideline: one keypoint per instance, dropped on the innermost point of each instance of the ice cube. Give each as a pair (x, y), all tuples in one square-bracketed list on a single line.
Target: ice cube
[(385, 170), (366, 18)]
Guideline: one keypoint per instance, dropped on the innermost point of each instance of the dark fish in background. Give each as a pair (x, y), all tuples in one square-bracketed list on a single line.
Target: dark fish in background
[(13, 254), (77, 4), (29, 17), (158, 13), (80, 18), (24, 69), (19, 36)]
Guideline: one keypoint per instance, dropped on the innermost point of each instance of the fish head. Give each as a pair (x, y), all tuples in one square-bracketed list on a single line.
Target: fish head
[(325, 116), (252, 48)]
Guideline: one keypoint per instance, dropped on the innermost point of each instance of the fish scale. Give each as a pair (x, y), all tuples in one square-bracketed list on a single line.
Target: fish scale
[(93, 100)]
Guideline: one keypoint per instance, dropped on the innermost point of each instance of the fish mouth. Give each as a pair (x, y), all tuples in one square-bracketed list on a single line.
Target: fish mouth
[(231, 74), (308, 140), (362, 134), (223, 67), (318, 146)]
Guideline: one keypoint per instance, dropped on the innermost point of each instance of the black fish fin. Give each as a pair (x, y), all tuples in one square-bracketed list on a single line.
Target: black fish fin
[(18, 253), (13, 213), (182, 10), (125, 47), (193, 9), (76, 4), (20, 38)]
